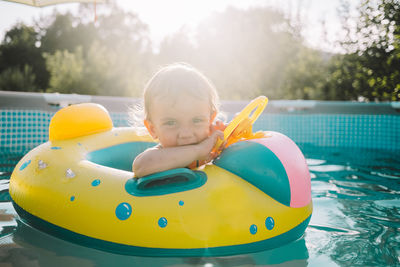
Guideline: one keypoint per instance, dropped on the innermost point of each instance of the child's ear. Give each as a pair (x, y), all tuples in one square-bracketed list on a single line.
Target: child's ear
[(213, 116), (211, 121), (150, 128)]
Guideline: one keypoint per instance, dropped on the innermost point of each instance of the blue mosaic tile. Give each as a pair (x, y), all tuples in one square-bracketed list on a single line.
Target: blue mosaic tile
[(21, 130)]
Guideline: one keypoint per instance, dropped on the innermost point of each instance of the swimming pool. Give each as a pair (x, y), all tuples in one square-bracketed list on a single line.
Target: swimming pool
[(352, 151)]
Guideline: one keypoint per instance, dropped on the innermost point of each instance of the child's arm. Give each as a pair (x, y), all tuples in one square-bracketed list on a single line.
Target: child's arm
[(161, 159)]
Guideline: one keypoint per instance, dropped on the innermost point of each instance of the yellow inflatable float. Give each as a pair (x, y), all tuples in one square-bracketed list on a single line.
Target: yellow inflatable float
[(79, 186)]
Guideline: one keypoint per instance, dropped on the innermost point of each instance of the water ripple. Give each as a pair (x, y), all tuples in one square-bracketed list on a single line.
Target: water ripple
[(328, 168), (334, 229)]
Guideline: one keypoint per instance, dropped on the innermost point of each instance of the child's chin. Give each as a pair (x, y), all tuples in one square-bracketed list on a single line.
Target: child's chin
[(187, 143)]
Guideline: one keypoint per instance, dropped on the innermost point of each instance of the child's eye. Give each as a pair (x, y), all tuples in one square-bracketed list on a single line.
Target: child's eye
[(169, 123), (197, 120)]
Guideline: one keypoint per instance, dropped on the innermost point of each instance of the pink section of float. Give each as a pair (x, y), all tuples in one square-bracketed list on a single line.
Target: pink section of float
[(295, 165)]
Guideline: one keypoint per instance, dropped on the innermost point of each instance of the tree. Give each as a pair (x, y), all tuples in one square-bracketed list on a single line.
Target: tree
[(305, 75), (112, 58), (247, 53), (66, 72), (177, 47), (20, 53), (14, 79), (65, 32), (371, 67), (127, 44)]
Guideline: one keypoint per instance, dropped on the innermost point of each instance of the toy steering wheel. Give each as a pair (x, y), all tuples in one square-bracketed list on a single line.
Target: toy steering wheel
[(232, 131)]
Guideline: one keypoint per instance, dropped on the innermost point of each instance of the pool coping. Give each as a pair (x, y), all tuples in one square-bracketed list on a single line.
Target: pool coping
[(55, 101)]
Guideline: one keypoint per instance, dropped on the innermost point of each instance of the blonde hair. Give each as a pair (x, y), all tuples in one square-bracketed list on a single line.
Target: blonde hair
[(176, 79)]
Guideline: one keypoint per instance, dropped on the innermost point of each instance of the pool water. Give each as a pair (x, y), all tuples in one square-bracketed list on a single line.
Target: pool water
[(355, 222)]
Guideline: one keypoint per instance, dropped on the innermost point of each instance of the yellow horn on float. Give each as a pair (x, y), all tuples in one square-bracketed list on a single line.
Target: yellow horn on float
[(79, 120)]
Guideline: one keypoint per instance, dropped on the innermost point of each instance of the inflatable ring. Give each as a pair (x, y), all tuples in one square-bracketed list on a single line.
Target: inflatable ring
[(79, 186)]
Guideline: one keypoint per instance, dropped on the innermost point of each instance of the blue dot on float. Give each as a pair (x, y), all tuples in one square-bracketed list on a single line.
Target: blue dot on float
[(253, 229), (55, 147), (123, 211), (162, 222), (72, 198), (24, 165), (96, 182), (181, 203), (269, 223)]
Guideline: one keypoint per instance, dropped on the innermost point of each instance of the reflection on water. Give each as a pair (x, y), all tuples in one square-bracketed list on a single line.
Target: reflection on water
[(356, 217), (47, 250), (356, 222)]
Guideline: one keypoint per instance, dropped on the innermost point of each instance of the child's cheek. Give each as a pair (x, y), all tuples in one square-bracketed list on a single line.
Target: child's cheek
[(210, 130)]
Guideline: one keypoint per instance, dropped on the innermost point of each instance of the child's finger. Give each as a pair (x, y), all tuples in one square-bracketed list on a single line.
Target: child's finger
[(221, 125), (218, 126), (217, 134), (220, 134)]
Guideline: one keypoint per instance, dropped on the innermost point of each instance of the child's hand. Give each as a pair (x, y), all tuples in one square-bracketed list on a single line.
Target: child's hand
[(206, 146), (219, 125)]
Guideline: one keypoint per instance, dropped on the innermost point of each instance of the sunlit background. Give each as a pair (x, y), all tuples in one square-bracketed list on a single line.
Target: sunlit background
[(166, 17), (311, 49)]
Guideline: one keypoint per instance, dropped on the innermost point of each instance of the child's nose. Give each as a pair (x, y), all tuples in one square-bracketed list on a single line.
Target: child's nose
[(185, 132)]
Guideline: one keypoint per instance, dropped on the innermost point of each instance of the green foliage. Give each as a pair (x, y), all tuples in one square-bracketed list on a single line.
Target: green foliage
[(305, 76), (100, 71), (177, 47), (246, 53), (249, 51), (14, 79), (69, 56), (18, 49), (61, 34), (66, 72), (371, 68)]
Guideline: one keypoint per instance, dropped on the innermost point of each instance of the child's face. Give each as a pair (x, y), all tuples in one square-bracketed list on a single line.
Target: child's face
[(182, 121)]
